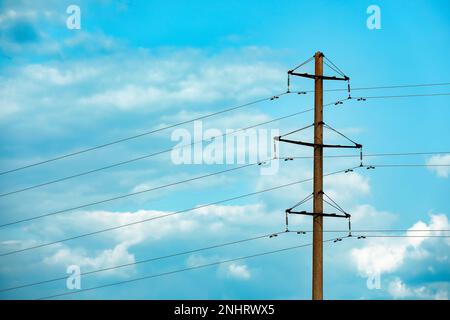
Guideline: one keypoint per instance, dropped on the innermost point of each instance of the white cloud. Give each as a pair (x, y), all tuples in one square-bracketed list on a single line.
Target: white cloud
[(113, 246), (239, 271), (399, 290), (199, 81), (118, 255), (441, 163), (365, 216), (386, 255), (345, 187)]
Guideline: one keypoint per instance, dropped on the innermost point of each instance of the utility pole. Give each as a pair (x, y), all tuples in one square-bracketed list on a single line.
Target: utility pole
[(317, 271), (318, 145)]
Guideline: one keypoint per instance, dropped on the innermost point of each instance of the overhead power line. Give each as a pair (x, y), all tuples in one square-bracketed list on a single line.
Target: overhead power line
[(384, 87), (334, 240), (175, 183), (143, 261), (408, 95), (157, 217), (409, 165), (181, 270), (281, 158), (271, 235), (216, 113), (403, 236), (159, 152), (141, 134)]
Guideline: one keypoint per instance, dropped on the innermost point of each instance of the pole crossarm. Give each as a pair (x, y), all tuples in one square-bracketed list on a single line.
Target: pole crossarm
[(310, 144), (334, 215), (314, 76)]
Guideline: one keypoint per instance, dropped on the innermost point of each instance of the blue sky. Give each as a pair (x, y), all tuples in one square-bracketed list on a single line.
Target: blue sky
[(139, 65)]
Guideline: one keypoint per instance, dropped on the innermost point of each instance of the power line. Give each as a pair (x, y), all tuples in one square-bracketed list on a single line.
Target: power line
[(385, 87), (202, 249), (145, 261), (182, 270), (140, 135), (147, 190), (404, 236), (408, 95), (297, 157), (158, 217), (162, 151), (389, 154), (157, 153), (127, 195), (406, 165), (215, 263), (135, 193), (216, 113), (387, 230)]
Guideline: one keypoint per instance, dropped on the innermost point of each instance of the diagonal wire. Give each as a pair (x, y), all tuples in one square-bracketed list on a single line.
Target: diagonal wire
[(341, 134), (184, 269), (144, 261), (337, 206), (307, 198), (334, 69), (194, 251), (151, 155), (335, 66), (156, 153), (164, 216), (334, 206), (139, 135), (303, 63), (129, 194), (297, 130)]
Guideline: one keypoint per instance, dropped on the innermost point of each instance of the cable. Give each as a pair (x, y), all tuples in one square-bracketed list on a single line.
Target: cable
[(206, 265), (155, 153), (408, 95), (140, 135), (334, 204), (387, 230), (339, 133), (384, 87), (336, 68), (194, 251), (302, 64), (297, 157), (183, 270), (144, 261), (370, 155), (147, 190), (373, 166), (405, 236), (406, 165), (297, 130), (307, 198), (163, 151), (203, 117), (129, 194), (389, 154), (152, 154), (162, 216)]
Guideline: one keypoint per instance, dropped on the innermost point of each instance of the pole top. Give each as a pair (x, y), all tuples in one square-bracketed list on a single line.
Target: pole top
[(319, 54)]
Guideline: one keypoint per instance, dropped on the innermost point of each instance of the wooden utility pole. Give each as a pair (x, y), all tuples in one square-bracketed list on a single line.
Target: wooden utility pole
[(318, 145), (317, 272)]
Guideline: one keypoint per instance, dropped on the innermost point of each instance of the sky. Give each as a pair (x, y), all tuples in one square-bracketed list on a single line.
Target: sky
[(136, 66)]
